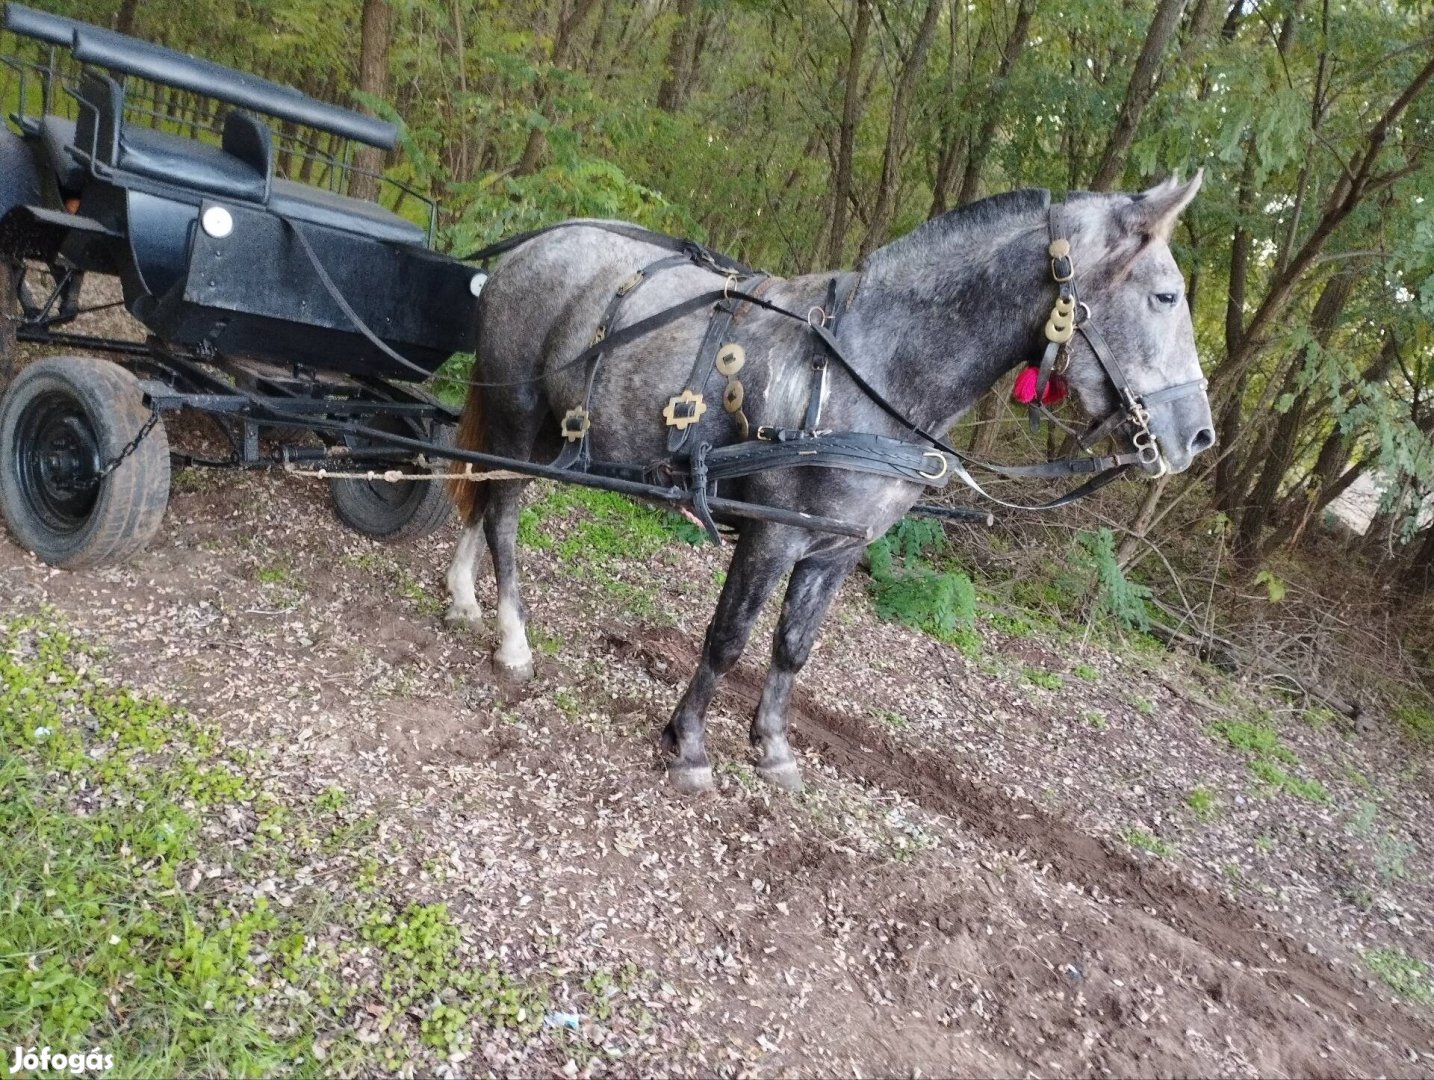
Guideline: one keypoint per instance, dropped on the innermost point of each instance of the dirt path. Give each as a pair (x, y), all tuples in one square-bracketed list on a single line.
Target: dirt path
[(926, 907)]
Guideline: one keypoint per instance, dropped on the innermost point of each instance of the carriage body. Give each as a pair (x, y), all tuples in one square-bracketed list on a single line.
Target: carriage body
[(282, 287), (197, 223)]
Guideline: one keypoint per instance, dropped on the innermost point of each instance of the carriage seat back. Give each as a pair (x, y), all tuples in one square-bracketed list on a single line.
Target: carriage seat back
[(239, 168)]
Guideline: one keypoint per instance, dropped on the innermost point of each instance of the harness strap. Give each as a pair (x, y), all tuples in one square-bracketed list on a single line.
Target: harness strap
[(577, 453), (848, 450), (699, 253), (706, 359), (839, 293)]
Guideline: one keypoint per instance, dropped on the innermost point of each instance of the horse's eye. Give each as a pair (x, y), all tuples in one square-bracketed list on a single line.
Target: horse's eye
[(1167, 298)]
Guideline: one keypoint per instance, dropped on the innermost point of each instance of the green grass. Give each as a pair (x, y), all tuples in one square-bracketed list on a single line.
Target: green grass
[(1146, 841), (1096, 720), (1278, 778), (1417, 722), (1259, 741), (894, 720), (1144, 706), (115, 934), (1402, 973), (1252, 737), (1086, 672), (1202, 801), (276, 575), (1045, 679), (602, 525)]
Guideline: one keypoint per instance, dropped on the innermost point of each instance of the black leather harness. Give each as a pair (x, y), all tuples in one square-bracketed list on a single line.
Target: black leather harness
[(809, 445)]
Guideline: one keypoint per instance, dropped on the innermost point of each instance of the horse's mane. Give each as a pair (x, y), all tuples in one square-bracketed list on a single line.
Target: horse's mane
[(964, 221)]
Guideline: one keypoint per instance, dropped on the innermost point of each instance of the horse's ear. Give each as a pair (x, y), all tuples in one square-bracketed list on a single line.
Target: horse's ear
[(1153, 213)]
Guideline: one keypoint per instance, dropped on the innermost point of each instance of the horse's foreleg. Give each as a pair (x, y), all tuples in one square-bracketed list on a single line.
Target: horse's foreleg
[(462, 575), (813, 585), (757, 565), (514, 659)]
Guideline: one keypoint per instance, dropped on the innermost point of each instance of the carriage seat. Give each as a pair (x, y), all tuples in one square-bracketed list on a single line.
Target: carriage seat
[(239, 168), (319, 206)]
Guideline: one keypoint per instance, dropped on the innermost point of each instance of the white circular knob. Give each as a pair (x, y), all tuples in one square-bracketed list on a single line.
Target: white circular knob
[(475, 286), (217, 222)]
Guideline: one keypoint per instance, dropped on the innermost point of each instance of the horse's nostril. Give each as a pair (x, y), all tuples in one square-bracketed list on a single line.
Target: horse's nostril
[(1202, 440)]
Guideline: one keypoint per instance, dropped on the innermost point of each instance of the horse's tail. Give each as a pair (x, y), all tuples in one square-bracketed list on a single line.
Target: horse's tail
[(472, 435)]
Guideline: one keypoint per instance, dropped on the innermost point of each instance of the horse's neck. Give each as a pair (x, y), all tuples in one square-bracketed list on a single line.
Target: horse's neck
[(940, 327)]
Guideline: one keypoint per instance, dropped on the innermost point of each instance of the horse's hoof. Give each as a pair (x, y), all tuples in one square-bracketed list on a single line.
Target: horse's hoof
[(784, 775), (516, 673), (469, 617), (690, 779)]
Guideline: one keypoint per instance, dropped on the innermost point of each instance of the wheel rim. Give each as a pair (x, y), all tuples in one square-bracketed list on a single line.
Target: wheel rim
[(57, 462)]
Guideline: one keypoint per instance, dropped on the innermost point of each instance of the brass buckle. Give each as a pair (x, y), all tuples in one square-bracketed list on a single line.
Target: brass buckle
[(630, 284), (576, 424), (684, 409)]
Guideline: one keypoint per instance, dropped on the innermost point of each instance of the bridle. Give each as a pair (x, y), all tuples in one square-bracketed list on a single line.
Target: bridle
[(1132, 410)]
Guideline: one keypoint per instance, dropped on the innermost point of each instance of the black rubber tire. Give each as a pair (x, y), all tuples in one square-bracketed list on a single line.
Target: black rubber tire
[(408, 510), (88, 409)]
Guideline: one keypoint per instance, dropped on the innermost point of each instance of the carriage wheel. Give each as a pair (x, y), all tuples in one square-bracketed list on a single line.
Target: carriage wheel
[(406, 510), (61, 421)]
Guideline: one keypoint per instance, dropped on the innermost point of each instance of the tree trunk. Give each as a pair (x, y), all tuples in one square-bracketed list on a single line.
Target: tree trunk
[(1138, 94), (895, 151), (677, 68), (124, 18), (991, 114), (376, 35), (852, 105), (1230, 416), (537, 144), (1280, 453)]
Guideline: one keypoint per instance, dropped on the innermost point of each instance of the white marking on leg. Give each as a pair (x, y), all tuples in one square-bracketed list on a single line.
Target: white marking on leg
[(462, 576), (513, 652)]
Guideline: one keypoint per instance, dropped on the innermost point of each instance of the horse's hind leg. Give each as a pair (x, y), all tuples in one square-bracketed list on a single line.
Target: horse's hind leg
[(813, 585), (514, 659), (462, 573), (757, 565)]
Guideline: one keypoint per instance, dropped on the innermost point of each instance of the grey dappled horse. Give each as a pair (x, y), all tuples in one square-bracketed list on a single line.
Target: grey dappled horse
[(936, 318)]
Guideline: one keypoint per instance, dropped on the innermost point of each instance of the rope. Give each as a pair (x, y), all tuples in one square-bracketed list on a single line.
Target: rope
[(397, 476)]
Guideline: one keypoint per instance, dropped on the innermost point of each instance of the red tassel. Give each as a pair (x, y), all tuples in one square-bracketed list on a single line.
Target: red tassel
[(1024, 392), (1056, 390)]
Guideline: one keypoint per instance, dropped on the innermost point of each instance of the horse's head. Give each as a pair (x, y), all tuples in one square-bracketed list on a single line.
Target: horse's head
[(1126, 277)]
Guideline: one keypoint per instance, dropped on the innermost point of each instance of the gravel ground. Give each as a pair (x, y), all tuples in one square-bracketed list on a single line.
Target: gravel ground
[(1000, 866)]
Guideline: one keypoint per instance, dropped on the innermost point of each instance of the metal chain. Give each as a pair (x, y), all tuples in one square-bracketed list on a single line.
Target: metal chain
[(131, 446)]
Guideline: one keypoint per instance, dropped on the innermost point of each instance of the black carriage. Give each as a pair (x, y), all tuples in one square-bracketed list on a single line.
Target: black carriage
[(273, 297)]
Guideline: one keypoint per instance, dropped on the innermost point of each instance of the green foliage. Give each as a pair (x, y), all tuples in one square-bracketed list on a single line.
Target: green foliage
[(939, 602), (1116, 595), (1406, 976), (1087, 672), (1274, 587)]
